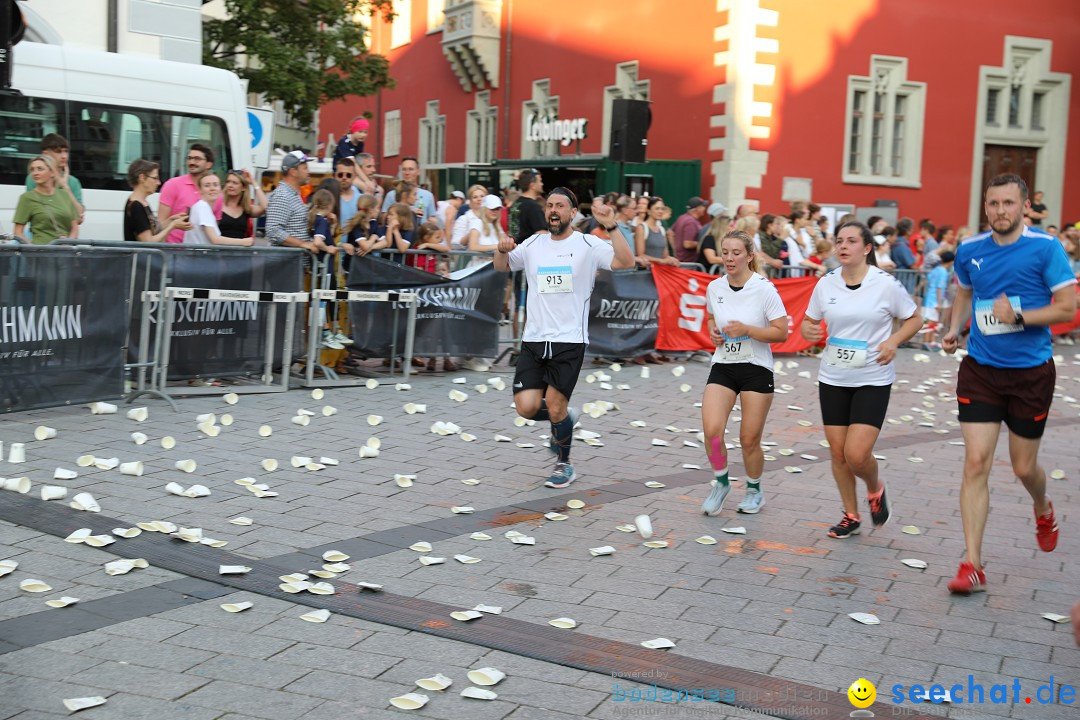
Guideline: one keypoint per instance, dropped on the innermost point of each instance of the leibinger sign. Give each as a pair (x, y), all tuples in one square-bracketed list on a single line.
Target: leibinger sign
[(547, 128)]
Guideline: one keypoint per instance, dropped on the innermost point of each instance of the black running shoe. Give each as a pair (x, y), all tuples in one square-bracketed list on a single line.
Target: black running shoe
[(845, 528), (879, 507)]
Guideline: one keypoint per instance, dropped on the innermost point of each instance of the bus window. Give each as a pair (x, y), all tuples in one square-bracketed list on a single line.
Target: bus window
[(23, 122)]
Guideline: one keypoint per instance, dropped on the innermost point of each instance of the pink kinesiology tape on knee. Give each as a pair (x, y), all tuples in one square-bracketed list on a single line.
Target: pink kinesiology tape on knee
[(714, 448)]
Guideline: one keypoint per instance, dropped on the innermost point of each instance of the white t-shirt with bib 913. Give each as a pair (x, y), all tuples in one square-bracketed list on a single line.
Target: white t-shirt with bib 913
[(756, 304), (858, 322), (561, 275)]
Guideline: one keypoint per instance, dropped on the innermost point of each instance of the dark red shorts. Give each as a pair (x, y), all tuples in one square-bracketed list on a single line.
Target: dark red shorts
[(1019, 397)]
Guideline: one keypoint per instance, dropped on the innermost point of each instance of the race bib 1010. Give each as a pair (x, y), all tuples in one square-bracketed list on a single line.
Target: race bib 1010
[(990, 325)]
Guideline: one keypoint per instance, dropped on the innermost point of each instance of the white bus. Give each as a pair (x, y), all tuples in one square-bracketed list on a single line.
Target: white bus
[(113, 109)]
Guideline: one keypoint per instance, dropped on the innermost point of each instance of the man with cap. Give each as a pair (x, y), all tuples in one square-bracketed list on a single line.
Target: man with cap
[(686, 230), (286, 212), (353, 143)]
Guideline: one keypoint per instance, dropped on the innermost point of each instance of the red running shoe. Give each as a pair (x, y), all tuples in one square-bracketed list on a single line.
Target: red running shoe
[(1046, 530), (968, 580)]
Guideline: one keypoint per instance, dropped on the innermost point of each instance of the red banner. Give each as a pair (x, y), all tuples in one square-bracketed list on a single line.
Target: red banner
[(683, 309)]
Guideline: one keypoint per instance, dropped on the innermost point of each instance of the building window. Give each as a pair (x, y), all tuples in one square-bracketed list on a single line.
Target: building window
[(481, 124), (401, 27), (1037, 111), (993, 98), (883, 142), (855, 139), (541, 106), (436, 15), (432, 144), (627, 85), (1014, 106), (391, 133)]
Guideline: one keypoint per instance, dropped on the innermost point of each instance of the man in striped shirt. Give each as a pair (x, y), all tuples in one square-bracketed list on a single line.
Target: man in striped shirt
[(286, 212)]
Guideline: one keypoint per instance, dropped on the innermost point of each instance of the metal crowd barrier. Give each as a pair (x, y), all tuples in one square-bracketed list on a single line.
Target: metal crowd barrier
[(172, 295), (163, 260), (148, 358), (320, 293)]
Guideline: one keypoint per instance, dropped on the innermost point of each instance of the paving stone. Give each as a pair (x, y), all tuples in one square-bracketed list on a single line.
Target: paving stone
[(45, 664), (122, 676), (246, 671), (259, 702), (350, 662), (226, 641), (147, 654)]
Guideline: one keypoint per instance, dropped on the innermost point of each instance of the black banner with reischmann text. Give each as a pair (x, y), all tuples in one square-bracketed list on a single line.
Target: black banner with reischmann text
[(623, 314), (455, 316), (63, 317), (224, 337)]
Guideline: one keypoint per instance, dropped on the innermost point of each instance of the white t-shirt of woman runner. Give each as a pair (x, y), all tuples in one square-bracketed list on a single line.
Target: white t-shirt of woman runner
[(757, 303), (561, 275), (858, 322)]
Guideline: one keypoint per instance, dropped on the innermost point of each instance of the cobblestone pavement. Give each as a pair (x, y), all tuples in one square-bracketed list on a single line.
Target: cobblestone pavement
[(774, 601)]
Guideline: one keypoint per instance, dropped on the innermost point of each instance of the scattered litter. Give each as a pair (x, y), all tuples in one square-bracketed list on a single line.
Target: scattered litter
[(865, 618)]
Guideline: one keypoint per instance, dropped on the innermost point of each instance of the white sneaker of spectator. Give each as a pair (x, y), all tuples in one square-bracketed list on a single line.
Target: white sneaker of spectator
[(329, 341)]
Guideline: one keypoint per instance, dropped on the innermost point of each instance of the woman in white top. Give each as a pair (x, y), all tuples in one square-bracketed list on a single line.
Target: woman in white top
[(858, 301), (470, 219), (204, 227), (486, 237), (745, 315)]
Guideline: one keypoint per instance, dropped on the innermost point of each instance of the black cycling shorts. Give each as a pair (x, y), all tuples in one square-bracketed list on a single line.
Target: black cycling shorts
[(863, 405), (742, 376)]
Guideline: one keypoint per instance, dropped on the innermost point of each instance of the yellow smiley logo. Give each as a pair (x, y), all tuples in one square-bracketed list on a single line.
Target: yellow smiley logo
[(862, 693)]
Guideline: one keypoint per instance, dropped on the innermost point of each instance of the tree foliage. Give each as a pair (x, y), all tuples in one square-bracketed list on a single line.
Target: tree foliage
[(302, 52)]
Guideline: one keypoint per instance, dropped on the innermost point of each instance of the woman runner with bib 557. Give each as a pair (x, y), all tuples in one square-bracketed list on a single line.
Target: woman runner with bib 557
[(745, 315), (858, 302)]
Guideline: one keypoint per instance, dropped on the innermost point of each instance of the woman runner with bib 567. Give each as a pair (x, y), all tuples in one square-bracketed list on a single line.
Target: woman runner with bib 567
[(858, 302), (745, 315)]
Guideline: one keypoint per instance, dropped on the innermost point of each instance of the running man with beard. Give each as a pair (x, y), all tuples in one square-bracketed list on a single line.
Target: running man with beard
[(560, 268), (1014, 284)]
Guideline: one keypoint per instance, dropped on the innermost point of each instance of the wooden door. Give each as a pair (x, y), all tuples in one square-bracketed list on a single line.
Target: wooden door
[(999, 159)]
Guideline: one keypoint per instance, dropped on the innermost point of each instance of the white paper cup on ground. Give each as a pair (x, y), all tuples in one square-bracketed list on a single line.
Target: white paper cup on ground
[(85, 501), (64, 474), (132, 468), (486, 676), (139, 438), (19, 485), (409, 701), (269, 464), (317, 394), (265, 431), (237, 607), (168, 442), (76, 704), (53, 492), (62, 602), (42, 432), (478, 693), (187, 466), (102, 408), (368, 452), (316, 616), (436, 682), (413, 408), (329, 410), (374, 419), (138, 414), (206, 418), (209, 429), (299, 461), (106, 463), (17, 453), (231, 398), (458, 396), (644, 526), (85, 460), (301, 420), (34, 586)]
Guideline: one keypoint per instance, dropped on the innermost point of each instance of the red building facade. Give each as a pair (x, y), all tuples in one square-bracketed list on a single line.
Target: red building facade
[(850, 102)]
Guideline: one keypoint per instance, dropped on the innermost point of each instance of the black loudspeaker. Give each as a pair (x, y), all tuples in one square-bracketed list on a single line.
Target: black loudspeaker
[(630, 120)]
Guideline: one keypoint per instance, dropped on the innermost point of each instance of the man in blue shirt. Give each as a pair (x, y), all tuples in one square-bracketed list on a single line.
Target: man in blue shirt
[(1014, 283)]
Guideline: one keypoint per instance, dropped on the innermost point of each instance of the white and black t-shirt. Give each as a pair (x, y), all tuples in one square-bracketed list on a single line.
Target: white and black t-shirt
[(757, 303), (858, 322), (561, 275), (201, 216)]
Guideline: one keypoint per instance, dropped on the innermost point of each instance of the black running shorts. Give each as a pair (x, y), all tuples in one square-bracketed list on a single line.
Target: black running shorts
[(549, 364), (1019, 397), (742, 376), (863, 405)]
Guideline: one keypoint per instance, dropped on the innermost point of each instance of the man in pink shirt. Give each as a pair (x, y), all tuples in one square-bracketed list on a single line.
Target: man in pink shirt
[(686, 230), (180, 193)]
